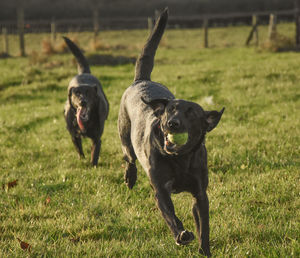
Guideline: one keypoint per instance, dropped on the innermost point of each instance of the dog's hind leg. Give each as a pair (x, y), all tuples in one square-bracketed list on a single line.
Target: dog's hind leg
[(124, 126), (95, 151), (78, 145), (130, 175)]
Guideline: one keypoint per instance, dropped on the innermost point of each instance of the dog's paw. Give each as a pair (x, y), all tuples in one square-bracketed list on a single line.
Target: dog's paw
[(130, 175), (81, 156), (185, 237)]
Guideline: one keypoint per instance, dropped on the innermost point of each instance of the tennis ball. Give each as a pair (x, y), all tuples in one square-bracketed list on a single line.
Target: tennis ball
[(178, 138)]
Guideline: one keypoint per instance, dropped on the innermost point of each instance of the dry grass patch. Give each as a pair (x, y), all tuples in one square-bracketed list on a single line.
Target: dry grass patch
[(279, 43), (50, 48)]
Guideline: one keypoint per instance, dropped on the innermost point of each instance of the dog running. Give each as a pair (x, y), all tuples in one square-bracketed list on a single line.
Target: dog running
[(86, 108), (167, 136)]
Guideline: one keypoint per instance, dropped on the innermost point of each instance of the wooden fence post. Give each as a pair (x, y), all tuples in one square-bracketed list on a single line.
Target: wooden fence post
[(53, 31), (297, 21), (254, 31), (150, 24), (255, 24), (272, 26), (20, 17), (156, 15), (205, 28), (96, 22), (5, 41)]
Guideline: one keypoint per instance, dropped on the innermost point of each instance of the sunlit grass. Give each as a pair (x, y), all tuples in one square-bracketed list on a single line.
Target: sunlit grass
[(253, 154)]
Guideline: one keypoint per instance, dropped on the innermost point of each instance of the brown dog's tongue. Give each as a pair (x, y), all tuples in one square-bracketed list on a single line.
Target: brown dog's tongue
[(79, 121)]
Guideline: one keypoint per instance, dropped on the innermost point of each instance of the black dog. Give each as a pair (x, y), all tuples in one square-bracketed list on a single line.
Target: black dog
[(149, 117), (87, 107)]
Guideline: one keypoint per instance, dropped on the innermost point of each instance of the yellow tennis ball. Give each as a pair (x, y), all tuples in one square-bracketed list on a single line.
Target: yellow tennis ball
[(178, 138)]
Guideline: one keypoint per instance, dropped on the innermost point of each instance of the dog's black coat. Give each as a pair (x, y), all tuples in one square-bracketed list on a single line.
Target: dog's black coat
[(148, 113), (87, 107)]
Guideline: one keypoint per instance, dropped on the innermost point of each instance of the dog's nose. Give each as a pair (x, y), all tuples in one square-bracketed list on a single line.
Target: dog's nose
[(174, 123), (83, 102)]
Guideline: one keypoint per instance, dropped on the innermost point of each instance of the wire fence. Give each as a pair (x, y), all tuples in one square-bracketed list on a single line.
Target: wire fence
[(87, 24), (21, 26)]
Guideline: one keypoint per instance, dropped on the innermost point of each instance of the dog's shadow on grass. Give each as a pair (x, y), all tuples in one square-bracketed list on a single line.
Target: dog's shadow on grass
[(116, 232), (51, 188), (105, 59)]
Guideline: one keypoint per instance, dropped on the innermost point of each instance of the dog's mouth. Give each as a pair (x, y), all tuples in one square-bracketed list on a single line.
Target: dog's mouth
[(82, 116), (173, 142)]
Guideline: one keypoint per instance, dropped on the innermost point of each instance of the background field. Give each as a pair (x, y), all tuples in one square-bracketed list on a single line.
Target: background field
[(63, 207)]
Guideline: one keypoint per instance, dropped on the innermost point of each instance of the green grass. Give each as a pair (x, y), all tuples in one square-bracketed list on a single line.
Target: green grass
[(253, 154)]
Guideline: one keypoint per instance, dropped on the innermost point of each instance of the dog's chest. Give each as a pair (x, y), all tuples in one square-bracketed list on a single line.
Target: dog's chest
[(183, 183), (183, 177)]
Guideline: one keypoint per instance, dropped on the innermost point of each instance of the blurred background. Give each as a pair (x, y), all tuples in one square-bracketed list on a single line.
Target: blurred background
[(133, 14), (47, 19)]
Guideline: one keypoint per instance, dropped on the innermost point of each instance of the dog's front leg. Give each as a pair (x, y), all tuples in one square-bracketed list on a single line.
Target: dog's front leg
[(95, 151), (165, 204), (78, 145), (201, 216)]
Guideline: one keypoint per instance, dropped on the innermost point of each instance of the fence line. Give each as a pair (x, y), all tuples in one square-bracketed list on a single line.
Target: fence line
[(95, 24), (297, 19), (90, 24), (5, 42)]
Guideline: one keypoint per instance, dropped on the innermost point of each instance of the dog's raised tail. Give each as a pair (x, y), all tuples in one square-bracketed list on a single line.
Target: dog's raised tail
[(145, 62), (83, 66)]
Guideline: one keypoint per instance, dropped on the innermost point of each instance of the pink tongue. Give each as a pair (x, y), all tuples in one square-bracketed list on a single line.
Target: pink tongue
[(79, 121)]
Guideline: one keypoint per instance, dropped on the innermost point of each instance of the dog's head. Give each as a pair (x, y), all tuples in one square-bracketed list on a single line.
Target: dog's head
[(83, 99), (183, 124)]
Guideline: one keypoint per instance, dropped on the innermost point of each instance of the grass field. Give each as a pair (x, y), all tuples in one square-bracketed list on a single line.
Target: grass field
[(63, 207)]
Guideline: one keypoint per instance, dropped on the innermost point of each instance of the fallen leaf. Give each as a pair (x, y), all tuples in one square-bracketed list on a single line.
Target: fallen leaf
[(10, 185), (75, 240), (24, 245), (243, 166), (48, 200)]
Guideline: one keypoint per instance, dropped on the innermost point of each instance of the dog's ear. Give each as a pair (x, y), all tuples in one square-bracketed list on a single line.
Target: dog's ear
[(158, 105), (213, 118), (70, 97), (70, 93)]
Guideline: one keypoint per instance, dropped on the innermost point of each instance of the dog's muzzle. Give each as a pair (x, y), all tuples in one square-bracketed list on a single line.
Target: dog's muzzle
[(82, 116), (171, 146)]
